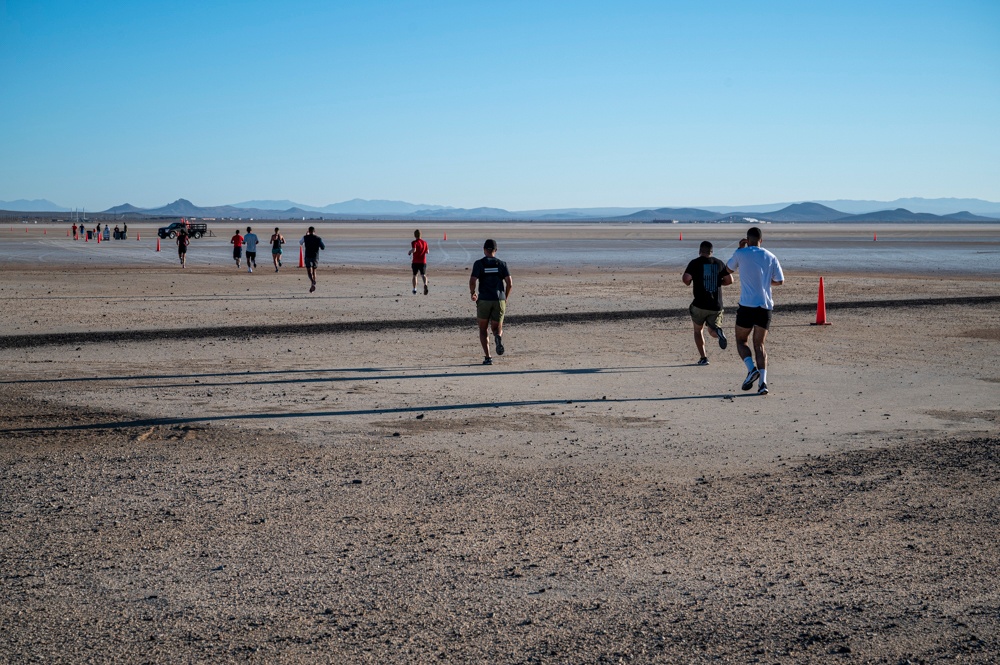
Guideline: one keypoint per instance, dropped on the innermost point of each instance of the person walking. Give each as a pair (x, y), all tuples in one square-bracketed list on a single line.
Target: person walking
[(183, 240), (251, 240), (707, 275), (237, 242), (312, 243), (495, 283), (418, 250), (277, 240), (759, 270), (74, 231)]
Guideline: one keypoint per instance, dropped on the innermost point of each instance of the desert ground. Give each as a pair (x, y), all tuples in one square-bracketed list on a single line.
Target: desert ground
[(209, 465)]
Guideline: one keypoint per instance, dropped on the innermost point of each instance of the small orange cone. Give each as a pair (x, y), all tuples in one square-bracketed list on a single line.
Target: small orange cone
[(445, 235), (157, 244), (302, 262), (98, 238), (86, 238), (821, 307), (875, 237), (67, 233), (681, 236), (137, 238)]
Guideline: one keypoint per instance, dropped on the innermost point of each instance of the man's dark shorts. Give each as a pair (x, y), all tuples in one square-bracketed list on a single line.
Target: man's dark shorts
[(419, 267), (748, 317), (311, 261), (252, 256), (237, 252)]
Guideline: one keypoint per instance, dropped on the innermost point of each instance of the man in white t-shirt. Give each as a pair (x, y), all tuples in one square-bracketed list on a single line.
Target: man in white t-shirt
[(759, 271), (250, 239)]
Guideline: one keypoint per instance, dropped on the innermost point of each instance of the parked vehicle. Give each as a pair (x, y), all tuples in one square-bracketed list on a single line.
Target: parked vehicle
[(194, 230)]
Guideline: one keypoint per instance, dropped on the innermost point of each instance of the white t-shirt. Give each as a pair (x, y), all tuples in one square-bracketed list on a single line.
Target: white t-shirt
[(757, 267), (251, 240)]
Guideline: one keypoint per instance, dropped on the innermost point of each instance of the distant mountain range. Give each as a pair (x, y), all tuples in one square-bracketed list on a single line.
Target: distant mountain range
[(919, 210)]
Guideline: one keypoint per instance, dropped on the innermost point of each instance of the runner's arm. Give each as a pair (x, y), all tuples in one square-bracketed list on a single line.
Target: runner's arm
[(687, 279), (509, 284)]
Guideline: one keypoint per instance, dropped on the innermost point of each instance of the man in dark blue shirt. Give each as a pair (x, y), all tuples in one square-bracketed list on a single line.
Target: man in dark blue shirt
[(312, 244), (491, 299)]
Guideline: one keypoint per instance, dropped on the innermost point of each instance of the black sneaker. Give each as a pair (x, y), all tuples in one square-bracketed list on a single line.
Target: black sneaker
[(703, 361), (762, 389), (723, 342), (487, 360), (500, 348), (426, 289), (751, 377)]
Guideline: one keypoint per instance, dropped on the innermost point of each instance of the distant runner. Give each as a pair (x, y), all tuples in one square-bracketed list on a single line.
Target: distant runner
[(759, 271), (418, 250), (237, 243), (312, 243), (277, 240), (182, 247), (708, 275), (495, 285), (251, 240)]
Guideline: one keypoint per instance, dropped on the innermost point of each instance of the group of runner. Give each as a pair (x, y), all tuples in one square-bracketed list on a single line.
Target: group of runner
[(759, 270), (490, 284)]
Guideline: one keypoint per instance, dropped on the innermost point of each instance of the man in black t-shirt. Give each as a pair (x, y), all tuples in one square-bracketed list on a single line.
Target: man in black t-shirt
[(707, 275), (495, 284), (312, 244)]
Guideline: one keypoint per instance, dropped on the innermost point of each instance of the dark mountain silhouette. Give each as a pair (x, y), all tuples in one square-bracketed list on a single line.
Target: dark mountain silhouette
[(125, 208), (670, 214), (801, 212), (904, 215)]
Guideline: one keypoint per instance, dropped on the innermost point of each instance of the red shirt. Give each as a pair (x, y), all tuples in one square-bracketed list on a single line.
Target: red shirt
[(237, 240), (419, 250)]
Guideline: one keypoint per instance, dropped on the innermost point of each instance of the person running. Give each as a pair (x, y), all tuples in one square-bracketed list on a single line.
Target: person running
[(277, 240), (182, 247), (418, 250), (759, 271), (251, 240), (707, 275), (495, 284), (312, 243), (237, 243), (74, 231)]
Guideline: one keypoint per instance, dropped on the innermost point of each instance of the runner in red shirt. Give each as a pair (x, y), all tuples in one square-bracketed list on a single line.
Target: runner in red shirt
[(237, 243), (418, 250)]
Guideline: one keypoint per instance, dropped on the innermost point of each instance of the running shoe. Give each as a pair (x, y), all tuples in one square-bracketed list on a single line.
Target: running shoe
[(703, 361), (279, 263), (487, 360), (425, 289), (414, 292), (500, 348), (762, 390), (723, 342), (751, 377), (312, 288)]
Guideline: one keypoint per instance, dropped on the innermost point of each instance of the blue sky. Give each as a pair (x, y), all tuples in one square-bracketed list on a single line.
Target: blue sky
[(517, 105)]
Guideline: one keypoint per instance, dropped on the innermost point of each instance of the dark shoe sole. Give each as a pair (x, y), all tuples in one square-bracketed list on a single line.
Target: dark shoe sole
[(487, 361), (748, 382), (762, 390), (723, 342), (500, 348)]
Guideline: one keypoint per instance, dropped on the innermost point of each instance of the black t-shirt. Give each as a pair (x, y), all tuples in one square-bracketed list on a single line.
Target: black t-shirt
[(313, 243), (707, 272), (491, 272)]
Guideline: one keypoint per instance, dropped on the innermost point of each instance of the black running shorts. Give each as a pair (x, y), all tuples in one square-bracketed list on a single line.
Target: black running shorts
[(748, 317)]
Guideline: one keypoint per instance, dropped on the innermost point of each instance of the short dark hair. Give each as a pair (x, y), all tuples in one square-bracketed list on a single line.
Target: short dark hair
[(311, 229), (705, 247), (416, 234), (490, 245), (249, 230), (754, 232)]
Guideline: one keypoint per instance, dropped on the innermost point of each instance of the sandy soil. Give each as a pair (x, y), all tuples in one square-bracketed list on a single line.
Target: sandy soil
[(376, 495)]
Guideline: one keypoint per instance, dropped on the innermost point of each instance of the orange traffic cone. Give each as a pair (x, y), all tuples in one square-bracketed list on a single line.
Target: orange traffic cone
[(302, 262), (681, 236), (86, 238), (875, 237), (821, 307), (445, 235), (98, 238), (67, 233), (157, 244), (137, 238), (45, 232)]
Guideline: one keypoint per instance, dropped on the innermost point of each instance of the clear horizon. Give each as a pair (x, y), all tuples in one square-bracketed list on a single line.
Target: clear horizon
[(518, 106)]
